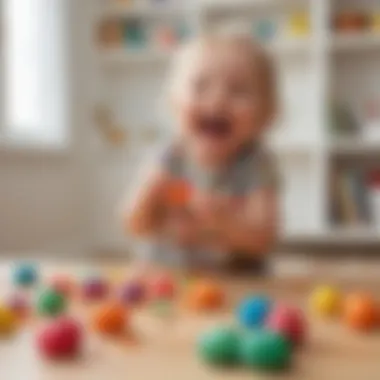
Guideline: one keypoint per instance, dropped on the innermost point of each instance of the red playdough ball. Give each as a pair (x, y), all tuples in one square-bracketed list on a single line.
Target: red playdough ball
[(163, 287), (288, 321), (61, 338)]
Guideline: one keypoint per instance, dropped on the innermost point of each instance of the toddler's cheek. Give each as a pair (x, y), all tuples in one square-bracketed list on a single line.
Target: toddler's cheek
[(188, 119)]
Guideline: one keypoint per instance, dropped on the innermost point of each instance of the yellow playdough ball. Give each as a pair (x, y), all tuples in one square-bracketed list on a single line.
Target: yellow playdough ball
[(8, 321), (326, 301)]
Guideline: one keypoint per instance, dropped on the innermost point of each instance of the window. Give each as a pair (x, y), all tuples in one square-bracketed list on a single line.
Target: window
[(34, 86)]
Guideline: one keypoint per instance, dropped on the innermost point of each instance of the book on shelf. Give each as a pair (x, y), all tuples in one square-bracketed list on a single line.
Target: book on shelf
[(350, 204)]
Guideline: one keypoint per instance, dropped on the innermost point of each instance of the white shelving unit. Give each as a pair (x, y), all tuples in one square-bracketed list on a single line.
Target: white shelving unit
[(355, 42), (306, 68)]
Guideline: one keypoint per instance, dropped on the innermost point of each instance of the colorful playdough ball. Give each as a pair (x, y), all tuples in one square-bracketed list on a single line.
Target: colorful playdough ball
[(219, 346), (61, 338), (110, 319), (288, 321), (205, 295), (63, 285), (132, 292), (360, 312), (51, 303), (18, 304), (95, 289), (8, 321), (253, 311), (326, 301), (25, 275), (265, 350), (163, 287)]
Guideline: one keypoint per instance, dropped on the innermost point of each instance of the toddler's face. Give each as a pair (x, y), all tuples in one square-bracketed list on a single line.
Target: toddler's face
[(221, 103)]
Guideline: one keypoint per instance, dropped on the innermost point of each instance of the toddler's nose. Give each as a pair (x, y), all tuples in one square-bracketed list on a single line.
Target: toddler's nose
[(217, 101)]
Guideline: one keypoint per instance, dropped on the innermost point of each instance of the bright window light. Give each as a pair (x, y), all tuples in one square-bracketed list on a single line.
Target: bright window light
[(34, 71)]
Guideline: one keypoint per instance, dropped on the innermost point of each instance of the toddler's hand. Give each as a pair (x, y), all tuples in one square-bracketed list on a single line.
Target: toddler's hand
[(182, 227), (211, 207), (212, 211)]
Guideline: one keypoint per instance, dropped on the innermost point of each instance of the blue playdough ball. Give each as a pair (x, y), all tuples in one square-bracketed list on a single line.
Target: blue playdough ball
[(253, 311), (25, 275)]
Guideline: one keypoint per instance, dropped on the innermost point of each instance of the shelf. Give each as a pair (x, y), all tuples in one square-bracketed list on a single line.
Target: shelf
[(120, 56), (117, 57), (291, 46), (355, 42), (355, 147), (338, 235), (216, 6), (122, 10), (295, 148)]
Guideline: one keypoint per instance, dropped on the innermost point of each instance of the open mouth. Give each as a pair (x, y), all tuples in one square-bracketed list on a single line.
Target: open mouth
[(215, 127)]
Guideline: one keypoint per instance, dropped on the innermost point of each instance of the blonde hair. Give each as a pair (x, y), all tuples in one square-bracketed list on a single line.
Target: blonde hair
[(262, 61)]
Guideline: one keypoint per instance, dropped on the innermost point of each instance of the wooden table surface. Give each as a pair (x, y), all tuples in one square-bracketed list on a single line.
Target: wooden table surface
[(165, 347)]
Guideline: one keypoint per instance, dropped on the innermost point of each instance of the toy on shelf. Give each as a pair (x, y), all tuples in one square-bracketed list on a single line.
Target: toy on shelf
[(299, 25), (165, 37), (342, 121), (375, 22), (371, 126), (183, 31), (350, 21), (373, 182), (265, 30), (134, 34), (110, 33), (112, 133)]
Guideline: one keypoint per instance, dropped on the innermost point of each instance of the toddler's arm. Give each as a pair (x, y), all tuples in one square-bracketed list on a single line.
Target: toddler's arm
[(255, 230), (142, 215)]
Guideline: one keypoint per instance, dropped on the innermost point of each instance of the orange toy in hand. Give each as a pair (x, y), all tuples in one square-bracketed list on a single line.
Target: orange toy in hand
[(360, 312), (179, 193), (110, 319), (205, 295)]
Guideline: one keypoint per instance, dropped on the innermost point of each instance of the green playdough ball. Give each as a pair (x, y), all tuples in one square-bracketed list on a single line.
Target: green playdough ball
[(265, 350), (51, 303), (219, 346)]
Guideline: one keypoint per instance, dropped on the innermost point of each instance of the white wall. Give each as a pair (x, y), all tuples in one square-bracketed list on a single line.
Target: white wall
[(44, 199)]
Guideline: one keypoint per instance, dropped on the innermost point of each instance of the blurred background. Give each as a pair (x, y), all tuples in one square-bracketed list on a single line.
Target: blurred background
[(80, 101)]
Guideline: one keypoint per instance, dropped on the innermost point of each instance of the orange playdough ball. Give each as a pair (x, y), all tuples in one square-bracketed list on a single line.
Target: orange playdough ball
[(110, 319), (360, 312), (205, 295)]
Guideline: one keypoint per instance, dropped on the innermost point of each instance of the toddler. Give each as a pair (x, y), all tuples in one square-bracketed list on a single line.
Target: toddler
[(211, 196)]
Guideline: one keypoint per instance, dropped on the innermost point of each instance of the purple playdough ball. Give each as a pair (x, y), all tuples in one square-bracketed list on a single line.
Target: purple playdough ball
[(18, 303), (132, 292), (95, 289)]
